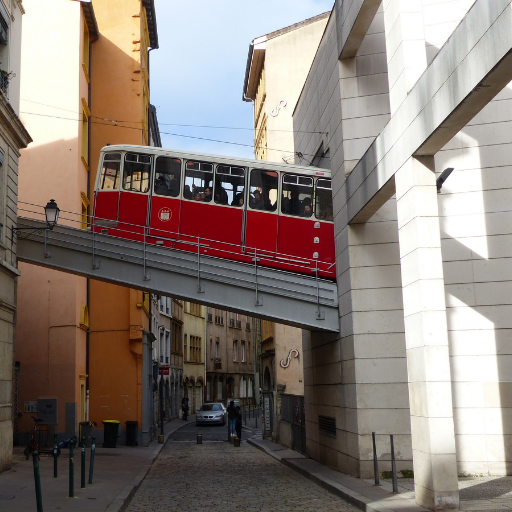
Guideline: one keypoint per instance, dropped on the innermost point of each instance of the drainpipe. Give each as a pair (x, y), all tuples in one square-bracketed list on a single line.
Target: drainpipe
[(88, 292)]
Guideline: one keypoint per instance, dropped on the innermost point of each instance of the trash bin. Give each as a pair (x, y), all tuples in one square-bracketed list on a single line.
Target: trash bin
[(110, 430), (131, 433), (85, 431)]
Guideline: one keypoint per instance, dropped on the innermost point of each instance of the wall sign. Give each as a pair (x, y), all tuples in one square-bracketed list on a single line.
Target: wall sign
[(289, 358)]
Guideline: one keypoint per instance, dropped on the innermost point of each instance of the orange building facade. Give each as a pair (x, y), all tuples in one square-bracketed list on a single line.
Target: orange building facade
[(120, 344), (82, 342)]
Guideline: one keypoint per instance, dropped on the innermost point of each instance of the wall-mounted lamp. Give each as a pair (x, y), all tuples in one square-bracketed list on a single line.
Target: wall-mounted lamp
[(442, 178), (51, 212)]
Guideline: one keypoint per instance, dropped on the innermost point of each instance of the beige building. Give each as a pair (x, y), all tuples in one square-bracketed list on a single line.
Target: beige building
[(230, 357), (277, 67), (194, 354), (13, 137)]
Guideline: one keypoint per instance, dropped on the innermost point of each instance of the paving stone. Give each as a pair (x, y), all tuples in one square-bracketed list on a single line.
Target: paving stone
[(217, 476)]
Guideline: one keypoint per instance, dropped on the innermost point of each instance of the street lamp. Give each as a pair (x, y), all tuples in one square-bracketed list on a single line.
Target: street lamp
[(51, 210)]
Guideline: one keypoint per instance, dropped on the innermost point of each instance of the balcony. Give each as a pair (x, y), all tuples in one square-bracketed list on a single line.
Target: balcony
[(217, 363)]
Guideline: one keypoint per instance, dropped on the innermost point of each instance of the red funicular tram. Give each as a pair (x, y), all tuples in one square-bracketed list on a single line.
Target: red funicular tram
[(233, 208)]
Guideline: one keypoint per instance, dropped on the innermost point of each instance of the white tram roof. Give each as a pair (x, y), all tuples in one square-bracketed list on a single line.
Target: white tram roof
[(219, 159)]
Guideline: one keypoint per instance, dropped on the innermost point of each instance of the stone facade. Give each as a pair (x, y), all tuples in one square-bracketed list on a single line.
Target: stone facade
[(230, 357), (13, 137)]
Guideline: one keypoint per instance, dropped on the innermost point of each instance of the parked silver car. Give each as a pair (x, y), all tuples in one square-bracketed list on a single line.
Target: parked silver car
[(214, 413)]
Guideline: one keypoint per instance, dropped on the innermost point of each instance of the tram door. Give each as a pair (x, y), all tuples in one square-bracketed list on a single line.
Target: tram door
[(261, 223), (165, 202), (134, 195), (106, 200)]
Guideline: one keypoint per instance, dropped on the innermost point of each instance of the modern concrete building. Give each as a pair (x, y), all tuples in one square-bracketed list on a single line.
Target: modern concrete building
[(52, 319), (229, 357), (399, 92), (194, 354), (13, 137)]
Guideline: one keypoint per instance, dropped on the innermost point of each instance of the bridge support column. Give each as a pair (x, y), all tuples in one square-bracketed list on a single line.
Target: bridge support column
[(426, 337)]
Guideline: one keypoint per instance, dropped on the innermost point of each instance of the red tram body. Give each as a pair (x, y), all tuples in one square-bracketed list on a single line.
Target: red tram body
[(232, 208)]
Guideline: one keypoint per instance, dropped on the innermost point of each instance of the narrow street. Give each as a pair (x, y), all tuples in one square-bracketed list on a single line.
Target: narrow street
[(217, 476)]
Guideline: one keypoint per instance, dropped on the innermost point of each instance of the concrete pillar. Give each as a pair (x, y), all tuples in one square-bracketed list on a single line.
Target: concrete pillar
[(405, 47), (426, 338)]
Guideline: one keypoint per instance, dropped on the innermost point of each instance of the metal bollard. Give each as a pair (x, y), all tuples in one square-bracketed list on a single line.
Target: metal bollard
[(37, 481), (55, 455), (82, 465), (375, 461), (91, 463), (393, 466), (71, 468), (199, 438)]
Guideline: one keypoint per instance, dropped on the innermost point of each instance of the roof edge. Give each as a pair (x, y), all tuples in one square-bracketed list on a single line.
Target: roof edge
[(151, 19)]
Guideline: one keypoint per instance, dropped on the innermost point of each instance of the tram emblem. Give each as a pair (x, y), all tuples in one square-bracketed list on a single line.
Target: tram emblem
[(165, 214)]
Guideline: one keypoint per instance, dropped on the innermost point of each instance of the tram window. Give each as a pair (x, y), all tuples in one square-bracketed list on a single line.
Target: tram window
[(136, 172), (297, 198), (110, 173), (167, 176), (263, 191), (323, 207), (229, 185), (198, 181)]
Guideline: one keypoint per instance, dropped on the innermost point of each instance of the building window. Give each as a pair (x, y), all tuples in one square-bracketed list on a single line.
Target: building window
[(242, 350), (161, 346), (217, 347), (235, 343), (185, 352), (211, 348), (167, 346), (249, 353), (85, 133)]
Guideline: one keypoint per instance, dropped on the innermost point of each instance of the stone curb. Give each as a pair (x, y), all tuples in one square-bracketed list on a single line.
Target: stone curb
[(358, 500), (124, 496)]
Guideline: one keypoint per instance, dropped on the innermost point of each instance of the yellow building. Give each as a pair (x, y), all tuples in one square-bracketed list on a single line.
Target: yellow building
[(194, 354), (52, 317), (277, 67)]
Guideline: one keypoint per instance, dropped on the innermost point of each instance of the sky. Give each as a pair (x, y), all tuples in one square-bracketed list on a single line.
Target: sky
[(197, 73)]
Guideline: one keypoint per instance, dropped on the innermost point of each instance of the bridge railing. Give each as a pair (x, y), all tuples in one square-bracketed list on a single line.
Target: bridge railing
[(147, 237)]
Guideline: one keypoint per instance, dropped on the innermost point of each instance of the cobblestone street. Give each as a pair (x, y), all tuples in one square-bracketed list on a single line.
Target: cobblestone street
[(216, 476)]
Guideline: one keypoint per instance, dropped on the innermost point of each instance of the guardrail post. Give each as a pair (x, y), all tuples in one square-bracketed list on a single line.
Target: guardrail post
[(375, 461), (82, 464), (37, 481), (393, 465), (91, 464), (71, 468), (55, 455)]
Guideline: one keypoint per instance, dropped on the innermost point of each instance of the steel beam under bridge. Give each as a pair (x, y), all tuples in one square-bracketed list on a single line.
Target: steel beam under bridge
[(287, 298)]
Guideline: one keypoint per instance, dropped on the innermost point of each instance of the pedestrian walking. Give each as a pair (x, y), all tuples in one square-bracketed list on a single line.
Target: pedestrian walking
[(184, 407), (233, 413)]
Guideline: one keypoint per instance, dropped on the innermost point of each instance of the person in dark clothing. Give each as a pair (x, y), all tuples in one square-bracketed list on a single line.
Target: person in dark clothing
[(233, 413), (238, 426), (184, 407)]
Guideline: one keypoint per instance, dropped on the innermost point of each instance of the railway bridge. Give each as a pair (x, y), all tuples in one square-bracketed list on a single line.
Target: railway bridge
[(293, 299)]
